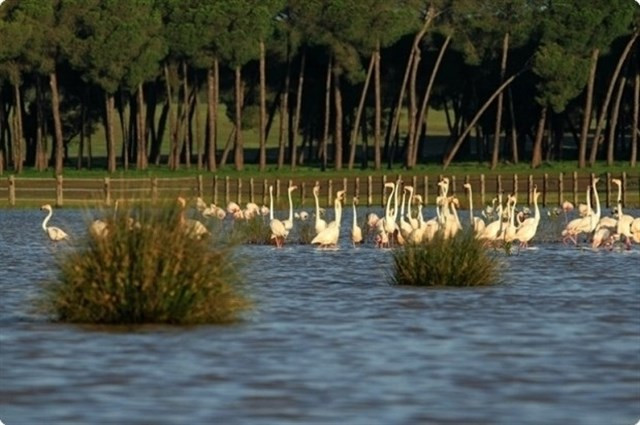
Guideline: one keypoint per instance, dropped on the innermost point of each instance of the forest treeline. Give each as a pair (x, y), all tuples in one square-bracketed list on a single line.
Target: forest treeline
[(342, 83)]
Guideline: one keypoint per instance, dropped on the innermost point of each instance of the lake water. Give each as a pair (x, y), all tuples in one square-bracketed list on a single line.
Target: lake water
[(331, 342)]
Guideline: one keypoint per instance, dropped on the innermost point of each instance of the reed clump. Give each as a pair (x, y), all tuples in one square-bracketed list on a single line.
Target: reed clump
[(255, 231), (460, 261), (146, 266)]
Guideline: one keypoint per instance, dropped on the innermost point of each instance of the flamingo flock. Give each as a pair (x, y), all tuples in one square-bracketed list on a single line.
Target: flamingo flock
[(403, 222)]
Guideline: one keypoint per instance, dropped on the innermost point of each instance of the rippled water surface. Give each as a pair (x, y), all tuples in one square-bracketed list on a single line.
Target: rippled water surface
[(331, 342)]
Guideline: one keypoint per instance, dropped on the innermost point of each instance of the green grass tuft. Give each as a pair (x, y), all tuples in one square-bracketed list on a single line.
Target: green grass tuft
[(461, 261), (146, 269)]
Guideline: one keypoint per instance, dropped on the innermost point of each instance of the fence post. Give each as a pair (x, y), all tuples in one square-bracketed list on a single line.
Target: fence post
[(608, 183), (545, 186), (278, 190), (107, 191), (425, 182), (12, 190), (215, 190), (499, 183), (575, 188), (226, 190), (624, 189), (414, 183), (239, 190), (199, 183), (303, 192), (482, 190), (369, 191), (265, 191), (251, 192), (357, 187), (530, 190), (329, 192), (59, 197), (560, 188), (453, 185), (154, 189), (384, 182)]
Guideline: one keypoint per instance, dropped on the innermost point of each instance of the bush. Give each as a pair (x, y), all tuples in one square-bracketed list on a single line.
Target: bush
[(458, 261), (145, 268)]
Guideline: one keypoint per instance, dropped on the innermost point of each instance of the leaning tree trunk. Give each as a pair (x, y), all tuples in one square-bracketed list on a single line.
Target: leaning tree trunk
[(327, 111), (514, 134), (635, 129), (412, 108), (377, 132), (424, 108), (284, 115), (263, 110), (239, 147), (536, 158), (40, 156), (605, 105), (337, 141), (498, 126), (185, 115), (475, 119), (111, 148), (212, 110), (141, 152), (173, 134), (57, 122), (356, 124), (414, 48), (296, 118), (17, 130), (613, 124), (586, 120)]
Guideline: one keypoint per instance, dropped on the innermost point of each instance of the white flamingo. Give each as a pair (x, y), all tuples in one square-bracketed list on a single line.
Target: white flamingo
[(356, 231), (288, 223), (493, 230), (192, 227), (329, 236), (56, 234), (624, 220), (529, 227), (278, 231), (477, 224), (579, 225), (320, 224)]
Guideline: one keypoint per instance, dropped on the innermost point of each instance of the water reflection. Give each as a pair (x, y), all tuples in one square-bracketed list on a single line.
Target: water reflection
[(331, 342)]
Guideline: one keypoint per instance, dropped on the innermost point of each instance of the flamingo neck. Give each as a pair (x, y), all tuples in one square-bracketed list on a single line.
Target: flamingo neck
[(619, 200), (46, 220), (355, 221), (387, 212), (409, 202), (271, 202), (470, 207), (290, 207), (597, 199), (338, 211)]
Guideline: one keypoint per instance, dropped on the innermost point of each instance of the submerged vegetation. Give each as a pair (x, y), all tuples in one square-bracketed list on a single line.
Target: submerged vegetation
[(142, 265), (459, 261)]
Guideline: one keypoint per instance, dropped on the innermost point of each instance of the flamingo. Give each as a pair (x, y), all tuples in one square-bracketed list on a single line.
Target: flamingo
[(477, 224), (529, 227), (405, 225), (413, 221), (451, 219), (232, 207), (417, 234), (192, 227), (320, 224), (56, 234), (278, 231), (624, 220), (329, 236), (356, 231), (492, 230), (510, 232), (288, 223), (578, 225)]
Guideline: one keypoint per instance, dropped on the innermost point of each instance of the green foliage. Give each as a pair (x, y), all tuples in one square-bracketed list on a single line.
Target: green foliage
[(146, 269), (253, 231), (459, 261)]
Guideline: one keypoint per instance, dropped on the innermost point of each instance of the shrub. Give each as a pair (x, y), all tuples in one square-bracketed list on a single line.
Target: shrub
[(458, 261), (146, 269)]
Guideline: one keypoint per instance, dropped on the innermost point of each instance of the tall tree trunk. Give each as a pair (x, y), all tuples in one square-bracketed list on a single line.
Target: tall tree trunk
[(38, 162), (391, 135), (3, 138), (356, 125), (298, 112), (57, 123), (424, 108), (607, 99), (196, 108), (337, 141), (635, 128), (498, 127), (514, 133), (83, 123), (173, 134), (464, 134), (141, 154), (239, 147), (536, 157), (111, 147), (613, 124), (124, 130), (263, 109), (327, 112), (586, 120), (284, 116), (185, 114), (377, 132), (413, 108), (18, 151), (212, 112)]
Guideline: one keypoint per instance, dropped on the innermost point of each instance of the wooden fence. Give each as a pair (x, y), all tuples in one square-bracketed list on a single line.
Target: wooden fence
[(220, 190)]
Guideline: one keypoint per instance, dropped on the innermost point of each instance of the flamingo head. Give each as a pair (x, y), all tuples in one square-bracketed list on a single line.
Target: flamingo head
[(45, 207), (182, 202), (316, 190), (355, 200), (418, 199), (292, 188), (616, 182), (467, 186), (340, 195)]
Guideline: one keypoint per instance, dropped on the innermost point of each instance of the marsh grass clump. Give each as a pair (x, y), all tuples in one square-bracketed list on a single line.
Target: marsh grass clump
[(255, 230), (306, 231), (460, 261), (146, 268)]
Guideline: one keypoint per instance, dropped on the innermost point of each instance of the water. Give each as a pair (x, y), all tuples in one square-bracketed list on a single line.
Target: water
[(331, 342)]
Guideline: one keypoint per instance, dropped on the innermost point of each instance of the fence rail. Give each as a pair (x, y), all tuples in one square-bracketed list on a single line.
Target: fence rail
[(220, 190)]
